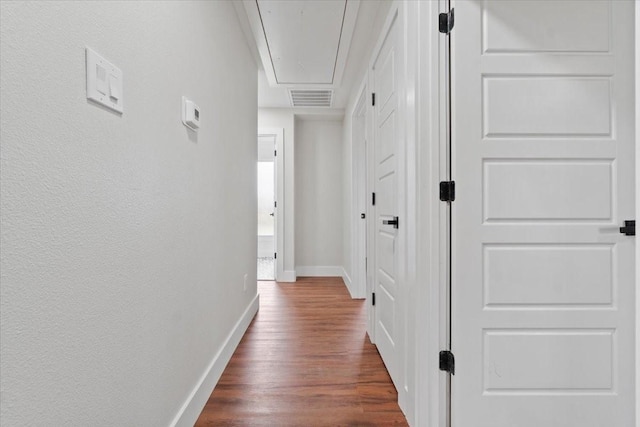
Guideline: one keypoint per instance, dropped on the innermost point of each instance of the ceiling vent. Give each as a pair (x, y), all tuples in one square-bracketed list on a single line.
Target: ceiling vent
[(310, 98)]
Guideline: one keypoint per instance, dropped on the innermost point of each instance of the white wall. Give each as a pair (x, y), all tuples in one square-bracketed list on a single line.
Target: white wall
[(318, 209), (283, 118), (125, 239)]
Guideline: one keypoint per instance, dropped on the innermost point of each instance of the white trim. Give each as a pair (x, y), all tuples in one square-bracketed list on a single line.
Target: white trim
[(430, 298), (347, 281), (247, 31), (442, 232), (359, 194), (637, 261), (288, 276), (392, 14), (348, 27), (195, 402), (255, 25), (370, 131), (411, 54), (279, 218), (319, 270)]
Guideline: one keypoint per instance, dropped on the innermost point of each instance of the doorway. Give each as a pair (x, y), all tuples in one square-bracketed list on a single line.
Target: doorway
[(270, 197), (266, 207), (358, 218)]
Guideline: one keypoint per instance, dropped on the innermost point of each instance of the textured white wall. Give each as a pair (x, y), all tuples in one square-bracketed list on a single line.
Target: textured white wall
[(124, 239), (318, 172)]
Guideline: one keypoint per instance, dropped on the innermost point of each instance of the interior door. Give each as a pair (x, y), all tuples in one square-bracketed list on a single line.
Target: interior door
[(543, 160), (266, 208), (385, 151)]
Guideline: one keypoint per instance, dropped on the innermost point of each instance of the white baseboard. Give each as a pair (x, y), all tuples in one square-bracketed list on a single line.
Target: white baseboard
[(288, 276), (319, 271), (347, 281), (192, 407)]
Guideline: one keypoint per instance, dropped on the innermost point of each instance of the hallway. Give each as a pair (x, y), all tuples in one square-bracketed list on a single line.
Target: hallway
[(305, 360), (465, 196)]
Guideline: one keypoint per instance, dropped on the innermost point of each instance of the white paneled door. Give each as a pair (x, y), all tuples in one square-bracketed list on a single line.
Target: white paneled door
[(386, 143), (543, 159)]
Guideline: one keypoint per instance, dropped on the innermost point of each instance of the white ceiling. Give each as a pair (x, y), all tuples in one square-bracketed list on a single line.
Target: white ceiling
[(308, 44), (303, 38)]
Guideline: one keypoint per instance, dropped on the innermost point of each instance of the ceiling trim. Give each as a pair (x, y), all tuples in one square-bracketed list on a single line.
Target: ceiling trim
[(348, 26), (246, 30)]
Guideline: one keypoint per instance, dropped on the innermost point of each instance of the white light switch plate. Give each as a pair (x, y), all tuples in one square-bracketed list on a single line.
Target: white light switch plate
[(190, 114), (104, 82)]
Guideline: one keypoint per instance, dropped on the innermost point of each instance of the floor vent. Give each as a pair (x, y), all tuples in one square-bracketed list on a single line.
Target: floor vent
[(310, 98)]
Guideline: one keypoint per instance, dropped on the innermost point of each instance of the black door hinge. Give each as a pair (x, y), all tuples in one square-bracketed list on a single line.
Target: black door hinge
[(362, 216), (629, 228), (447, 362), (373, 298), (373, 199), (447, 191), (275, 153), (275, 255), (373, 99), (445, 21), (275, 204)]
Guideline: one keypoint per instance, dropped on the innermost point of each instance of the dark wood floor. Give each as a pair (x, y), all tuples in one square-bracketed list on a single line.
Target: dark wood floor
[(305, 361)]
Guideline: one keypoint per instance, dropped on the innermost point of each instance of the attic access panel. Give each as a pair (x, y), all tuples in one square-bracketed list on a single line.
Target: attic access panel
[(303, 38)]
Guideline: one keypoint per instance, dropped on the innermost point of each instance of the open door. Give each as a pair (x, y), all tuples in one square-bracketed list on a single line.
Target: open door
[(266, 207), (543, 289)]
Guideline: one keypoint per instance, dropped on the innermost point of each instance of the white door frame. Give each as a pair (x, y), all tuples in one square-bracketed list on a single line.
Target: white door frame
[(369, 211), (431, 296), (278, 219), (361, 187), (359, 200), (637, 64)]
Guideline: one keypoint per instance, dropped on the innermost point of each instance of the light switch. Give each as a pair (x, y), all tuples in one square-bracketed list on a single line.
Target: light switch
[(104, 81), (101, 79), (114, 87)]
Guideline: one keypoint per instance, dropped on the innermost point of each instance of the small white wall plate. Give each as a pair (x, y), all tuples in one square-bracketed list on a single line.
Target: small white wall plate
[(104, 82), (190, 114)]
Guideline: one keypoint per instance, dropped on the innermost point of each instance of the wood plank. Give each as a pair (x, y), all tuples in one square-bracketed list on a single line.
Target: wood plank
[(306, 360)]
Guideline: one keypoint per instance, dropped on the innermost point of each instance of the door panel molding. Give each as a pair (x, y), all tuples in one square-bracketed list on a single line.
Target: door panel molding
[(543, 159)]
